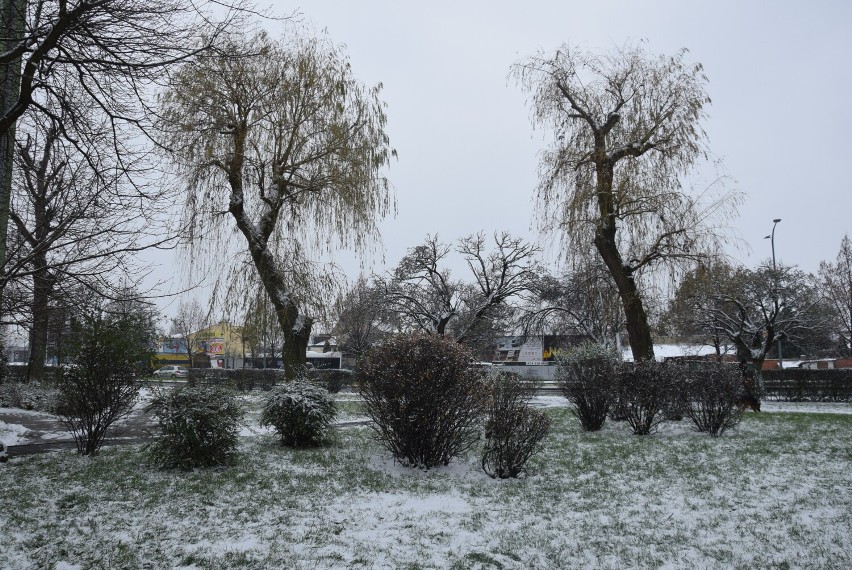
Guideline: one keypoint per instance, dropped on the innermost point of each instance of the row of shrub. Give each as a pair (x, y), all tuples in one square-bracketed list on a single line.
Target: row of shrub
[(18, 374), (427, 403), (647, 393)]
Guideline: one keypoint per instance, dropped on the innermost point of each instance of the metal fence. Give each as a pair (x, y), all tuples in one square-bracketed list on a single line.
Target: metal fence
[(808, 385)]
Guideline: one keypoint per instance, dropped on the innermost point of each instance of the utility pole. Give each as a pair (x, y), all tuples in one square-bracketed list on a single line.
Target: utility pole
[(771, 237)]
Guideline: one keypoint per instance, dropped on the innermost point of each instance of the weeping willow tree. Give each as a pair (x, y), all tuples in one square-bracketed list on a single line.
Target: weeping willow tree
[(626, 132), (279, 139)]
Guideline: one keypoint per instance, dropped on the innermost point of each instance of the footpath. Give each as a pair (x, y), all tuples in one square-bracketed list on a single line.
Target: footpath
[(38, 432)]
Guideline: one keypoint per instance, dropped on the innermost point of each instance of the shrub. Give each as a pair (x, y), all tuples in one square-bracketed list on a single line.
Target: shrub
[(587, 374), (644, 390), (513, 430), (300, 412), (110, 349), (91, 400), (30, 396), (423, 396), (716, 392), (199, 427)]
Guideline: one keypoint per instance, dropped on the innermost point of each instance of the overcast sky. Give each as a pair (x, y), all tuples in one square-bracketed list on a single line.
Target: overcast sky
[(779, 78)]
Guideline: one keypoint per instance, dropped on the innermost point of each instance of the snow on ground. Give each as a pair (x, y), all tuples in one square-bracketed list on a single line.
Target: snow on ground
[(24, 426), (12, 434), (752, 498), (807, 407)]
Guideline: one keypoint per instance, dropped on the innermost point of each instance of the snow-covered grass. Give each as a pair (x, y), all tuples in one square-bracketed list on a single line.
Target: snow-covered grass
[(774, 493)]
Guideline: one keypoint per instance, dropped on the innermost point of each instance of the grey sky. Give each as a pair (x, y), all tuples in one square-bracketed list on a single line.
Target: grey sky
[(779, 77)]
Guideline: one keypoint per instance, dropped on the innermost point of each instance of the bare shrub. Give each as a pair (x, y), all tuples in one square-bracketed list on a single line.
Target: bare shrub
[(716, 393), (644, 390), (301, 414), (110, 348), (424, 398), (587, 374), (513, 430), (90, 402), (199, 427)]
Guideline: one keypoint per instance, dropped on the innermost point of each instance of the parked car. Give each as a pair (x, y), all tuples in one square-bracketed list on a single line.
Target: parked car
[(171, 371)]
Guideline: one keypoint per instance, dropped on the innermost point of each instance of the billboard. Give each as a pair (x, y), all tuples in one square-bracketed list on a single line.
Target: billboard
[(530, 349), (212, 346)]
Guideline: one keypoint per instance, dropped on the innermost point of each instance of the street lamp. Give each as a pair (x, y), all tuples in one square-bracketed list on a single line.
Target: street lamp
[(775, 272)]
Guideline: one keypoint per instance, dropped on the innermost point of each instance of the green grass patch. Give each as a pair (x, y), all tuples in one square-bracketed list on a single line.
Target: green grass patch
[(775, 492)]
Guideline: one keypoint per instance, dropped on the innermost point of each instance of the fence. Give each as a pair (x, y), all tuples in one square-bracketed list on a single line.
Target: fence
[(808, 385)]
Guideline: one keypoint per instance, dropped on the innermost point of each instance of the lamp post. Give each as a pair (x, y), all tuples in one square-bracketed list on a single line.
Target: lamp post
[(771, 237)]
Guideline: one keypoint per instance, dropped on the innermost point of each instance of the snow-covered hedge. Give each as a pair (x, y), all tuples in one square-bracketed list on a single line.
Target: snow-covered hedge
[(17, 373), (808, 385), (331, 379), (199, 427), (29, 396), (301, 414), (424, 397)]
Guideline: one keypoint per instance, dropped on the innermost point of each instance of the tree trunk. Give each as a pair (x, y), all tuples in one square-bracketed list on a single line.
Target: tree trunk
[(12, 17), (295, 327), (297, 334), (636, 319), (43, 283)]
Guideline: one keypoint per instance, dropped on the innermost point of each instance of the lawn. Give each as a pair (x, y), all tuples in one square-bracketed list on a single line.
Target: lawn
[(774, 493)]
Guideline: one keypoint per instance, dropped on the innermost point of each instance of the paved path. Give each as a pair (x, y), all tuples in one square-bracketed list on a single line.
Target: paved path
[(45, 432), (43, 429)]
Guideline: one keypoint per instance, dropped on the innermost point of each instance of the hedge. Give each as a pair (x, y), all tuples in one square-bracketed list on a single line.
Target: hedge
[(239, 378), (17, 373)]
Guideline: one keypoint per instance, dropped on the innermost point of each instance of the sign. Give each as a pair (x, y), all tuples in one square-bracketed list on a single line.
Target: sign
[(213, 346), (519, 349)]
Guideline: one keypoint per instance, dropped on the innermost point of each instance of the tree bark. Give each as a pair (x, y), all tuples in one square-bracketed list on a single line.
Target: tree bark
[(297, 334), (13, 14), (295, 327), (636, 319), (43, 283)]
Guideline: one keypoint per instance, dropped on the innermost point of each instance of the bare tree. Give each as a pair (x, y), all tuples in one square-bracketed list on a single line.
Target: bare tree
[(76, 222), (420, 289), (189, 323), (76, 55), (755, 309), (836, 285), (423, 293), (361, 317), (701, 286), (281, 136), (583, 301), (627, 128)]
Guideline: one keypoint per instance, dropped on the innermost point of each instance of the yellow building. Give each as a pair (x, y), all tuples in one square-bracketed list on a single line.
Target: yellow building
[(219, 346)]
